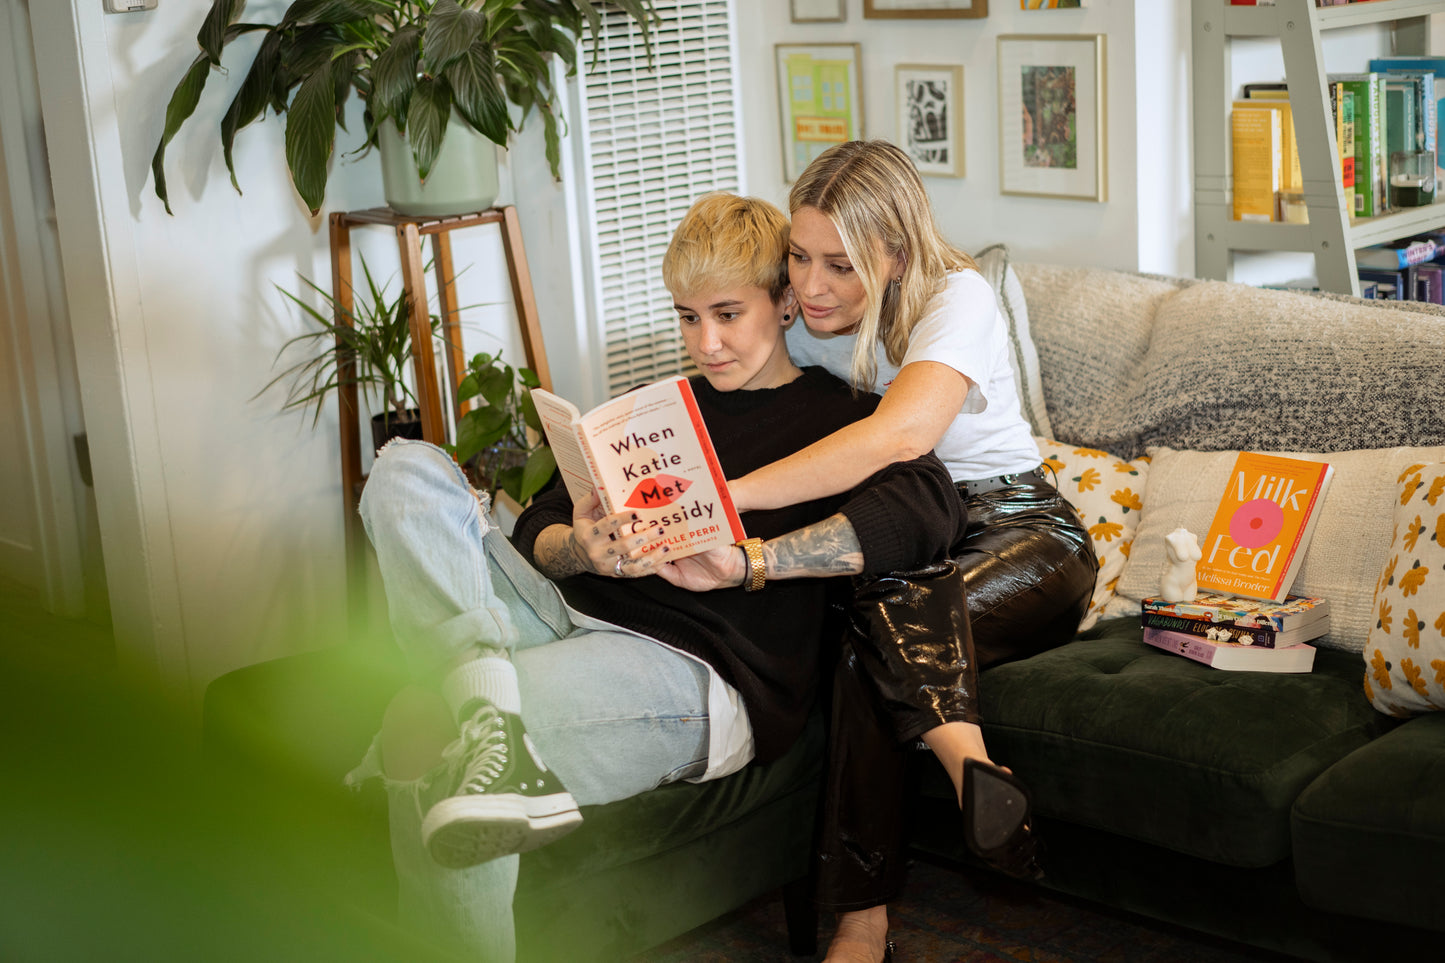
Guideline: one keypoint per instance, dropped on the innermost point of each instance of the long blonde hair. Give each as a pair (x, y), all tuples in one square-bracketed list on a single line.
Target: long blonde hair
[(872, 193)]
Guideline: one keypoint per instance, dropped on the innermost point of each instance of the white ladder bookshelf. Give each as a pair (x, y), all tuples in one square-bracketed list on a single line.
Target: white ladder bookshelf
[(1331, 235)]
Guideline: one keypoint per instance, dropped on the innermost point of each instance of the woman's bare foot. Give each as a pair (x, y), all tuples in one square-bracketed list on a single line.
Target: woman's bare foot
[(860, 938), (952, 743)]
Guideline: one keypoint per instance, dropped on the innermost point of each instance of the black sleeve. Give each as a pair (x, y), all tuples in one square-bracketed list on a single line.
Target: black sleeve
[(552, 507), (906, 515)]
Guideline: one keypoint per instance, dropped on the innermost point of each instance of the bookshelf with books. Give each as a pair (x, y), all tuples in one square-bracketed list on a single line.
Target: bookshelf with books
[(1331, 234)]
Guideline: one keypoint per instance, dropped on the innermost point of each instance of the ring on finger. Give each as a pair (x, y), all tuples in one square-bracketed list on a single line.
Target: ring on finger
[(618, 570)]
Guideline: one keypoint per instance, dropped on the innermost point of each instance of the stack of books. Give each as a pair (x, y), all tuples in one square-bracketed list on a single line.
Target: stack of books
[(1228, 632)]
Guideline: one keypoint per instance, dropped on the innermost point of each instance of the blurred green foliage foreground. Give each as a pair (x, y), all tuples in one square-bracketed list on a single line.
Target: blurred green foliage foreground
[(119, 840)]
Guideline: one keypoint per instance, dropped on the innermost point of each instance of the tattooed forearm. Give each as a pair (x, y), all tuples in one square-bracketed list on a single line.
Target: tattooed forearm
[(829, 547), (557, 554)]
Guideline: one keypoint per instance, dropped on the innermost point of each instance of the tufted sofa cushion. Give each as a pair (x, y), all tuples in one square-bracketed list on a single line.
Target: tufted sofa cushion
[(1129, 361), (1369, 834), (1112, 734)]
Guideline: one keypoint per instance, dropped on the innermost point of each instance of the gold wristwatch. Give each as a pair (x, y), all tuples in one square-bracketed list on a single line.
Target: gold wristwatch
[(757, 569)]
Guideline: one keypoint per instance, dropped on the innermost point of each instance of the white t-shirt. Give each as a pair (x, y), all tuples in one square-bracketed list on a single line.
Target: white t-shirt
[(961, 328)]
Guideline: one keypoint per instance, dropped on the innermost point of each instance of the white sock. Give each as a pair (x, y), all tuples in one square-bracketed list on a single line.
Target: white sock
[(492, 678)]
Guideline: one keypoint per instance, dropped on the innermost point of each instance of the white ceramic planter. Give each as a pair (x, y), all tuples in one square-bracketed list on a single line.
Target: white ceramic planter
[(463, 179)]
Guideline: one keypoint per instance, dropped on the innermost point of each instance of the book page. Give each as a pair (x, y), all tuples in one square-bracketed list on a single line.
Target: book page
[(560, 423)]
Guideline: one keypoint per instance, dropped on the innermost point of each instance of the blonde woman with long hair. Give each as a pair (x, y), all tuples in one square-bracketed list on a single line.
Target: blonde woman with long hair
[(890, 305)]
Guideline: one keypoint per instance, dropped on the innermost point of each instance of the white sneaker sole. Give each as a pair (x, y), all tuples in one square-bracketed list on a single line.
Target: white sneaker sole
[(462, 831)]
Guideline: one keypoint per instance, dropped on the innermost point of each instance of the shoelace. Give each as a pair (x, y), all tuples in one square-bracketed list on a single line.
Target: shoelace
[(479, 755)]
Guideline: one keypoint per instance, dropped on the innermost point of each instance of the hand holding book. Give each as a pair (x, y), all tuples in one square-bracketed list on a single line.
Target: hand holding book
[(618, 545), (717, 568)]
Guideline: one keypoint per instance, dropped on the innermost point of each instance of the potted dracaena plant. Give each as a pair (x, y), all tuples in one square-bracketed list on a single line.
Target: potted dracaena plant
[(431, 70), (368, 346)]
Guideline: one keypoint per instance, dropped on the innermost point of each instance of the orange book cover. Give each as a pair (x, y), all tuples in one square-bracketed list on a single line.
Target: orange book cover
[(1263, 525), (647, 450)]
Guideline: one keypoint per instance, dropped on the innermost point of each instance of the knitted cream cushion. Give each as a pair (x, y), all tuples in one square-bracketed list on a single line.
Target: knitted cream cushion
[(993, 264), (1106, 492), (1346, 553), (1128, 361), (1405, 653)]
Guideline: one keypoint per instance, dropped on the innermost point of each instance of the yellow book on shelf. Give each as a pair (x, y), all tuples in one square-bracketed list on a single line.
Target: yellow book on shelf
[(1257, 153), (1279, 99)]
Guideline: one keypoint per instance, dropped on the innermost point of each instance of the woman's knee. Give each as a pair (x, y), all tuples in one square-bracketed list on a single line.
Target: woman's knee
[(411, 476)]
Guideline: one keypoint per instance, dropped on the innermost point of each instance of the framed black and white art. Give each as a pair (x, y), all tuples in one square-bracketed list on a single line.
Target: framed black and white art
[(930, 116)]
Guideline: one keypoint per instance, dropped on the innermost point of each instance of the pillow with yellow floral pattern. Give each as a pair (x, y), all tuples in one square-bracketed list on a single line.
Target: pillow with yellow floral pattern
[(1405, 652), (1107, 492)]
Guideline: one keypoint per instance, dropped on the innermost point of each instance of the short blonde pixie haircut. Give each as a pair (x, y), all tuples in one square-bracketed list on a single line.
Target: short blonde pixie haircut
[(725, 240)]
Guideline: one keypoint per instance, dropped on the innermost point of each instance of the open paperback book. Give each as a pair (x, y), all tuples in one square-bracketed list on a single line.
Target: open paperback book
[(647, 451)]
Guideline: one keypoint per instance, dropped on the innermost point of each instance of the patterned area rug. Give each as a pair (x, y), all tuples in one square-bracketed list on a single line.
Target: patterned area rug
[(948, 916)]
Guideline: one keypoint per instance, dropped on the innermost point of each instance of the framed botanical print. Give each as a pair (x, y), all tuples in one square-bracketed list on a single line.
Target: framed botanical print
[(1052, 131), (819, 100), (930, 116)]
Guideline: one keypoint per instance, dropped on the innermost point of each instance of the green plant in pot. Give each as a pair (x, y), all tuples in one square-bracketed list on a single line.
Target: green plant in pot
[(370, 349), (499, 440), (419, 66)]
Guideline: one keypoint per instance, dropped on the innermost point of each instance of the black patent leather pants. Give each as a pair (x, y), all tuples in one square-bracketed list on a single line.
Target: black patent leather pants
[(1018, 585)]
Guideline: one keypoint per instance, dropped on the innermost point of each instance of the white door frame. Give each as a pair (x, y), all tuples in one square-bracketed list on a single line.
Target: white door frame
[(102, 285), (49, 560)]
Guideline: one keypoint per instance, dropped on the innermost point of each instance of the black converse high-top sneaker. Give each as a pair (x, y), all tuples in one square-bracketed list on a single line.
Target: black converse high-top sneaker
[(506, 800)]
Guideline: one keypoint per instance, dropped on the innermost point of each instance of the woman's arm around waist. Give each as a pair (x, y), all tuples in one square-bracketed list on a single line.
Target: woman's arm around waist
[(912, 416)]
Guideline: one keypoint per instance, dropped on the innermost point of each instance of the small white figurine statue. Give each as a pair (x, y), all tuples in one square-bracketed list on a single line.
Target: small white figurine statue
[(1177, 583)]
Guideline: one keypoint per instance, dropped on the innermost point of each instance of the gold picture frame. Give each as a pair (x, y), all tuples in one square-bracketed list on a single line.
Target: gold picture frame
[(818, 11), (820, 100), (924, 9), (929, 99), (1053, 130)]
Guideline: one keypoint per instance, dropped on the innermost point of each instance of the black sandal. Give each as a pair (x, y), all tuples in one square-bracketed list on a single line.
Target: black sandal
[(996, 811)]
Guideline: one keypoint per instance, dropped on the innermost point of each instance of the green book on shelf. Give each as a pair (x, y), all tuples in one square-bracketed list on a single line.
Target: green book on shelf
[(1401, 97), (1370, 164)]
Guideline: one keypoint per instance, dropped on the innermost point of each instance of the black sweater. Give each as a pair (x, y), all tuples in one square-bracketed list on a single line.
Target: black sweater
[(766, 644)]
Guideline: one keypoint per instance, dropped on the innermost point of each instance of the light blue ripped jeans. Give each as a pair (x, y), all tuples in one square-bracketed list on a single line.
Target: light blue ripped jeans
[(612, 713)]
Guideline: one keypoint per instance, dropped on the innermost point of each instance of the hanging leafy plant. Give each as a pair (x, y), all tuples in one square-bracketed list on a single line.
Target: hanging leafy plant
[(412, 61)]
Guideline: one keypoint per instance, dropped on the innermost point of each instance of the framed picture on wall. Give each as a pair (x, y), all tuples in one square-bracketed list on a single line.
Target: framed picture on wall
[(1050, 4), (930, 116), (818, 11), (1051, 116), (924, 9), (820, 100)]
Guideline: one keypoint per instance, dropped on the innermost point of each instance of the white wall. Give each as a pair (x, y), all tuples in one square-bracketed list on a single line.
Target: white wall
[(232, 514), (971, 209)]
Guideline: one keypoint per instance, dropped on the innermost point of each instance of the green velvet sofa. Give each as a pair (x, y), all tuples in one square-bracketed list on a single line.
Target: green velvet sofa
[(1283, 811)]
